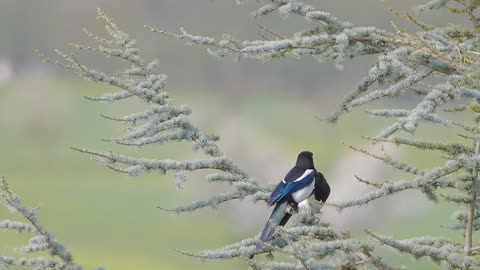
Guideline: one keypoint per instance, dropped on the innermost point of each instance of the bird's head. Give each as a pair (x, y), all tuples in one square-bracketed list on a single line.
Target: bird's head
[(305, 160)]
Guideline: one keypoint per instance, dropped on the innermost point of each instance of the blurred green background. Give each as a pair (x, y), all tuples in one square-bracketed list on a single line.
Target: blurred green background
[(264, 112)]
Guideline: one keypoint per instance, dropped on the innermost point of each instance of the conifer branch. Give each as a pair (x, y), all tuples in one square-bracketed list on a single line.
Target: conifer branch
[(42, 240), (164, 122), (437, 64), (404, 59), (472, 205), (440, 250), (435, 178)]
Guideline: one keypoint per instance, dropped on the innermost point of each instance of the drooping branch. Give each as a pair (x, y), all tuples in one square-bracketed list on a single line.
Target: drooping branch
[(163, 122), (42, 241)]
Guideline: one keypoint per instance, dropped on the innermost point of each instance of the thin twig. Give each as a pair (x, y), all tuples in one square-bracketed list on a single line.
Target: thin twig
[(368, 182), (269, 30)]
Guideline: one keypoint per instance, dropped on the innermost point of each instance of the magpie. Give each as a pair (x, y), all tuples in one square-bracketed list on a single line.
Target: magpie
[(301, 182)]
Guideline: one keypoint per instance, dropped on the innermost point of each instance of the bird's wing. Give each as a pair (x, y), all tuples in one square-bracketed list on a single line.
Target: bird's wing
[(322, 189), (285, 188), (277, 193)]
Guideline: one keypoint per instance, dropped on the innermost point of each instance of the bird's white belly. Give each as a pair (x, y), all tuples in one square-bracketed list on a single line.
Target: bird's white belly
[(303, 193)]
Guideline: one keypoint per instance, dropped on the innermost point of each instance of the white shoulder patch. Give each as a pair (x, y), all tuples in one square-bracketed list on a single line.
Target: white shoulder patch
[(307, 172), (303, 194)]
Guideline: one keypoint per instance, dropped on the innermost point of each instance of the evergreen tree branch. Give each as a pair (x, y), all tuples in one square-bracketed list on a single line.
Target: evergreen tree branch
[(472, 205), (42, 241), (437, 249), (162, 123), (438, 64), (435, 177), (405, 59), (454, 149)]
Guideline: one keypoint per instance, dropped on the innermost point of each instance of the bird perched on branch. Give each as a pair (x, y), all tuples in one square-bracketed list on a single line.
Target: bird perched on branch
[(301, 182)]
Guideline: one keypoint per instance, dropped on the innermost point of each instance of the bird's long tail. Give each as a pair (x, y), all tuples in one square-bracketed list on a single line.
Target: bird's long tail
[(278, 217)]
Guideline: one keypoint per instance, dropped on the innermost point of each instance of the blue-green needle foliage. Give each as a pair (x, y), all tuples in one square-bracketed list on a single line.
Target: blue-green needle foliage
[(312, 245), (438, 64), (43, 250), (162, 122)]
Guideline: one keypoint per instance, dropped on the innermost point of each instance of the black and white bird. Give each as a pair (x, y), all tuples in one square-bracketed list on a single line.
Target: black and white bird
[(301, 182)]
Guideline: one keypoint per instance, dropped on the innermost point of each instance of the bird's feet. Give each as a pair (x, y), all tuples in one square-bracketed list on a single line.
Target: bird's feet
[(291, 209)]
